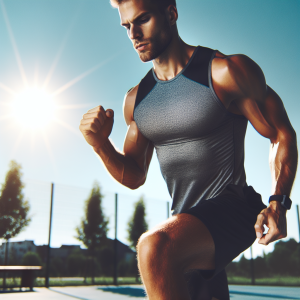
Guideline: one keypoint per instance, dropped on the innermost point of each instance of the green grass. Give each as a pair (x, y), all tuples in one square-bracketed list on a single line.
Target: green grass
[(238, 280), (71, 281), (275, 280), (10, 282), (279, 280), (77, 281)]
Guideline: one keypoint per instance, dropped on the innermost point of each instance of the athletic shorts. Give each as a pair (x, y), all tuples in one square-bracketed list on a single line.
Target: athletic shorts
[(230, 217)]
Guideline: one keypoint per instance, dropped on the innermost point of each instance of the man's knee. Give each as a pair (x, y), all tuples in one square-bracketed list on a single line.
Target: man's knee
[(153, 245)]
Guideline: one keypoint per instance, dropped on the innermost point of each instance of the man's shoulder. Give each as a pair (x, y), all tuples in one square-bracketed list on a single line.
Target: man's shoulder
[(233, 63), (128, 104), (236, 78), (131, 95), (236, 71), (139, 91)]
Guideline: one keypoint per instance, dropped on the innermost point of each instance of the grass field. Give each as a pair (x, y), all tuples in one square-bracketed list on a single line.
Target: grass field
[(77, 281), (71, 281), (276, 280)]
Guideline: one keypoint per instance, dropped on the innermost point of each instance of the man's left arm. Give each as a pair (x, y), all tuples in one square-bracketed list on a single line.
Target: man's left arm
[(266, 112)]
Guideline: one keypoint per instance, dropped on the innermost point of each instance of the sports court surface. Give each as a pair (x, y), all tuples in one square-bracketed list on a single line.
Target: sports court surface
[(135, 292)]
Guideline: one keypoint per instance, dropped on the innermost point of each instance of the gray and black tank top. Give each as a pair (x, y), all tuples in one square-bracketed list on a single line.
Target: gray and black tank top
[(199, 144)]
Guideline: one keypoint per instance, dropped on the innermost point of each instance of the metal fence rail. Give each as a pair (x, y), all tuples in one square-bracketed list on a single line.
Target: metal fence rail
[(56, 210)]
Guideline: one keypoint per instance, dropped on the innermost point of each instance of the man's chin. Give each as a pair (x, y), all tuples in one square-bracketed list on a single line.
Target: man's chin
[(145, 56)]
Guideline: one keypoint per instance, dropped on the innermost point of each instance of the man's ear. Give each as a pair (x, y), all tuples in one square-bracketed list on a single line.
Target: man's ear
[(172, 14)]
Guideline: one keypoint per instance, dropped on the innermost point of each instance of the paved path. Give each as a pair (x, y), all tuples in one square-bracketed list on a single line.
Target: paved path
[(81, 293), (241, 292), (136, 293)]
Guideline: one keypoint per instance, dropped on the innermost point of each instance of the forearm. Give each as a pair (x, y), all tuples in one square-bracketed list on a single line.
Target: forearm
[(283, 165), (122, 168)]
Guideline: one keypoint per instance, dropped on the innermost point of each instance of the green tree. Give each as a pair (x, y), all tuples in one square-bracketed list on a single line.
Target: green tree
[(58, 267), (31, 259), (137, 224), (261, 269), (13, 208), (94, 226), (127, 268), (106, 259), (280, 260), (243, 266), (76, 262)]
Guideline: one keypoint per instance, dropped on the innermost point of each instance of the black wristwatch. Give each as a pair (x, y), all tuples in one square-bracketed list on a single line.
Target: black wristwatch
[(284, 200)]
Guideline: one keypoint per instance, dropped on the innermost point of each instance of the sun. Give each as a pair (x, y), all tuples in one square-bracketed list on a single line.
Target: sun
[(33, 108)]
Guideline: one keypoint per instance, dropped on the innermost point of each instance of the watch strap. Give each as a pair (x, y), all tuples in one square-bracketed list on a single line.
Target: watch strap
[(284, 200)]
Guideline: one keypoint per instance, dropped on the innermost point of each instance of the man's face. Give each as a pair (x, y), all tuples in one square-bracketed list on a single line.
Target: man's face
[(147, 27)]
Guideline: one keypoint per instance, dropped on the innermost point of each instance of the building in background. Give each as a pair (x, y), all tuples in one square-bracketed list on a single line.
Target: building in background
[(16, 251)]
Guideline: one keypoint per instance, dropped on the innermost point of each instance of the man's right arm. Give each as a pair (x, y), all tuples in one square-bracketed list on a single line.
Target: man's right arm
[(130, 167)]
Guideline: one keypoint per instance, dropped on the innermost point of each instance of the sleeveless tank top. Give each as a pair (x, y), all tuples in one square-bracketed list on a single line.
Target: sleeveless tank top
[(199, 144)]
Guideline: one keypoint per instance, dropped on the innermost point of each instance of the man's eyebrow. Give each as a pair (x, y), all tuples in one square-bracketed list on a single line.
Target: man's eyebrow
[(136, 18)]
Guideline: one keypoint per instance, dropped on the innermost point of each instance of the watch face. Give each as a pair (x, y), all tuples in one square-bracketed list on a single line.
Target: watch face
[(286, 202)]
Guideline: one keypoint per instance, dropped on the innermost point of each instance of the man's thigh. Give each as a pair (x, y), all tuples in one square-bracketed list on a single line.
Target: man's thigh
[(191, 244)]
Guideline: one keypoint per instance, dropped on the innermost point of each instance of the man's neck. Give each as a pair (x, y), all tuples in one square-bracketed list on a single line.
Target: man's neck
[(173, 59)]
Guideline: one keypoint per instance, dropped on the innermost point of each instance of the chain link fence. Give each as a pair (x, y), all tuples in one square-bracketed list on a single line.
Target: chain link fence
[(67, 261)]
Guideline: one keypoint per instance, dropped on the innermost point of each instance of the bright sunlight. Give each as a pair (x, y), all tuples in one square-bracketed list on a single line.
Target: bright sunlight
[(33, 108)]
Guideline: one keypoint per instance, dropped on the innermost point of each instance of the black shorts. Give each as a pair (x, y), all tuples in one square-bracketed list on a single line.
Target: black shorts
[(230, 217)]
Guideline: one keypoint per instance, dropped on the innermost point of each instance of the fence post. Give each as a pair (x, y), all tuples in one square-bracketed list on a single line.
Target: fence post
[(5, 264), (49, 240), (168, 209), (298, 218), (116, 242), (252, 267)]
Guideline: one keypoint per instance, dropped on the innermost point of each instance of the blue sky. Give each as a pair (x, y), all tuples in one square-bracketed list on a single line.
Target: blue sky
[(81, 42)]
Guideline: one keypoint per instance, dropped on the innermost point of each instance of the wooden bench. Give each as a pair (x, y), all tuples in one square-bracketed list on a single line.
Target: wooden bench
[(27, 272)]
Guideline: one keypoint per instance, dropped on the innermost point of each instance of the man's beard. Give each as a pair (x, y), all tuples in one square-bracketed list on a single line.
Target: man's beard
[(157, 48)]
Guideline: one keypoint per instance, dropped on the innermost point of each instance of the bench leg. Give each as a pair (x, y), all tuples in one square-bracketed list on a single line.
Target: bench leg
[(4, 281), (27, 279)]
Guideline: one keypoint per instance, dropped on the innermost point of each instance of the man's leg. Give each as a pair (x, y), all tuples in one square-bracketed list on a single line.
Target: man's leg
[(169, 250)]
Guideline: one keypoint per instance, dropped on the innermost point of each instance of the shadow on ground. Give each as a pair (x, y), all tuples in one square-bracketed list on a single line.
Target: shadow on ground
[(262, 295), (15, 291), (128, 291)]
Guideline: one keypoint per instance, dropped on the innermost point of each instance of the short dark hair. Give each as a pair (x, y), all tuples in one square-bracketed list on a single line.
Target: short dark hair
[(162, 3)]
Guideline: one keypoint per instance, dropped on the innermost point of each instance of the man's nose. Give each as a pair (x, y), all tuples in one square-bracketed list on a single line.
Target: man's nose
[(134, 32)]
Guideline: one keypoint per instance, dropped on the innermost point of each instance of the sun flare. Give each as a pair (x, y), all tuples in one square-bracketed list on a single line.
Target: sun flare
[(33, 108)]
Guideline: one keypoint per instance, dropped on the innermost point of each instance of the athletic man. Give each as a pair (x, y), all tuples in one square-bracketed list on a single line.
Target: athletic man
[(193, 107)]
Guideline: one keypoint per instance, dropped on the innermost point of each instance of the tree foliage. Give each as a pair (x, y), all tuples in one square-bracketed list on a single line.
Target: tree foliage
[(137, 224), (283, 261), (13, 208), (106, 259), (94, 226), (76, 263), (31, 259)]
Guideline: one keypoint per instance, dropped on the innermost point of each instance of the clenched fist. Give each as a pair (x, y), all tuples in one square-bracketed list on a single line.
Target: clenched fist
[(274, 217), (96, 125)]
